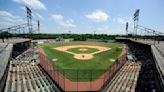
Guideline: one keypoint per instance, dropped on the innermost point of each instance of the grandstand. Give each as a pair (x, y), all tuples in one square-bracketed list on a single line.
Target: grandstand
[(18, 71), (15, 40), (125, 79), (150, 55), (5, 54), (24, 76), (157, 50)]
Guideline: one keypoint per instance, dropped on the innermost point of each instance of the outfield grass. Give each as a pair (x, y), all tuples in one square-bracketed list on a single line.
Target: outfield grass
[(82, 68)]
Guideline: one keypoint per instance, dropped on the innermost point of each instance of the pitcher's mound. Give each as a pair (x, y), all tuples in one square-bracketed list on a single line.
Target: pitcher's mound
[(83, 56)]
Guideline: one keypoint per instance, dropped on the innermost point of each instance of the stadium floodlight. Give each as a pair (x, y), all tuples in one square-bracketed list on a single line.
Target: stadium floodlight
[(127, 28), (29, 18), (136, 15), (29, 12), (136, 18)]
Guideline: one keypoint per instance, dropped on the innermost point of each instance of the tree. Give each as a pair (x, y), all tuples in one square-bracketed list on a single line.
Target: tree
[(4, 35)]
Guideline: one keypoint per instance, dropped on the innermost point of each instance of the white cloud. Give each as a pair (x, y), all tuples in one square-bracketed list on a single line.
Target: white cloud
[(57, 17), (65, 23), (35, 4), (23, 8), (39, 16), (7, 19), (123, 20), (105, 29), (98, 16)]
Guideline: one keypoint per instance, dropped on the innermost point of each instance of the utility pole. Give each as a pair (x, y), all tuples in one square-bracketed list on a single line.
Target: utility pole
[(38, 26), (94, 32), (154, 36), (127, 29), (69, 31)]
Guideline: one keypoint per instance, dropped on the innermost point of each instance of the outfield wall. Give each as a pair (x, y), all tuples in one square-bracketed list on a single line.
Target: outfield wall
[(95, 84)]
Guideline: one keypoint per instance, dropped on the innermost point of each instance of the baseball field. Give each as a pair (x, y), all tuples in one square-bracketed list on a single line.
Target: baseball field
[(82, 61)]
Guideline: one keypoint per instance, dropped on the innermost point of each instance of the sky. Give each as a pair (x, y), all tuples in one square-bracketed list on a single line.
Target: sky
[(84, 16)]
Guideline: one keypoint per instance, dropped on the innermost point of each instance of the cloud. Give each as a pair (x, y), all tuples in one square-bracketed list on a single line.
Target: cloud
[(39, 16), (65, 23), (123, 21), (7, 19), (23, 8), (98, 16), (35, 4), (105, 29)]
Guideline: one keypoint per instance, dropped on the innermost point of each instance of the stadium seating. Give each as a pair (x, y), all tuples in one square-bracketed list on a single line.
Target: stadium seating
[(160, 49), (148, 76), (24, 76), (125, 79)]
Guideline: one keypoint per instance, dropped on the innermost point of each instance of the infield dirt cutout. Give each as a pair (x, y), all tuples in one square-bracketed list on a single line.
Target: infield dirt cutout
[(82, 56)]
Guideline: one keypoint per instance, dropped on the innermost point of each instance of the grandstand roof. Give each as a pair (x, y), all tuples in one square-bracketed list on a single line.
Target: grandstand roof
[(15, 40), (5, 52)]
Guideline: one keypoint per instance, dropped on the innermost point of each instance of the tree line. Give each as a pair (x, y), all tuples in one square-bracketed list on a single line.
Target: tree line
[(79, 37)]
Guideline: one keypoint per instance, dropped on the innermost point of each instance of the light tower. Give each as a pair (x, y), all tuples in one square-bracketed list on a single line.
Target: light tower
[(29, 19), (136, 19)]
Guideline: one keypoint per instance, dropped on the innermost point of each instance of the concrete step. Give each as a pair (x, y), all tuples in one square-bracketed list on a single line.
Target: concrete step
[(124, 80)]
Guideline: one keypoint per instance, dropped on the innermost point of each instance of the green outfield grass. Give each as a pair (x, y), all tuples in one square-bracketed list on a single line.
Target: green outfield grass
[(72, 67)]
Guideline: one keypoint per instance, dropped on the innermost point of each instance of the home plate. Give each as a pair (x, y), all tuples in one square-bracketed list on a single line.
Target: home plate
[(83, 56)]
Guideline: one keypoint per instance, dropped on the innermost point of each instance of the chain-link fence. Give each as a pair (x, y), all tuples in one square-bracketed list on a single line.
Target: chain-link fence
[(81, 80)]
